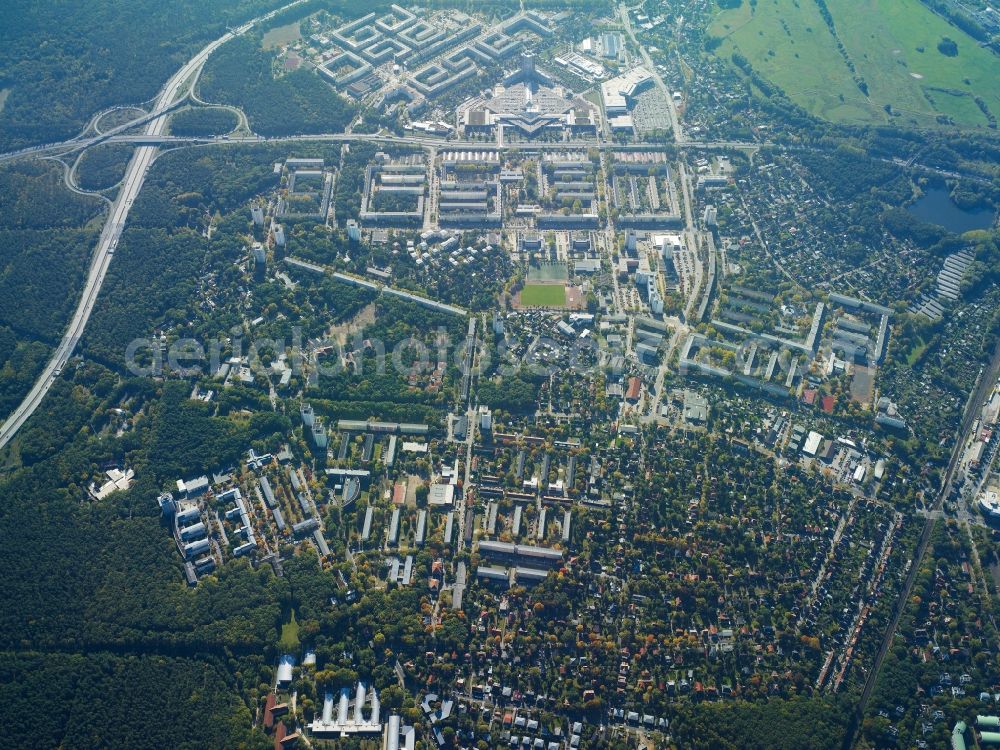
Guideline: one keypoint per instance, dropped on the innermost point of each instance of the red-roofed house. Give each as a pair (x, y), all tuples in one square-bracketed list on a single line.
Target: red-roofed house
[(269, 712), (634, 389)]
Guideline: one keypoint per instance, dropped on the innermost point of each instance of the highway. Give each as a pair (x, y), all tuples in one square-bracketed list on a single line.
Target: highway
[(146, 138), (135, 175), (154, 135)]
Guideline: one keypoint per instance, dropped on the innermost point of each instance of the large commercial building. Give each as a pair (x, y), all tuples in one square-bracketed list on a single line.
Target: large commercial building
[(529, 103), (619, 93)]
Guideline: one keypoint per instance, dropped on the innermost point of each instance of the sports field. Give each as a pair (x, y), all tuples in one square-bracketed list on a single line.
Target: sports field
[(543, 295), (893, 45), (548, 271)]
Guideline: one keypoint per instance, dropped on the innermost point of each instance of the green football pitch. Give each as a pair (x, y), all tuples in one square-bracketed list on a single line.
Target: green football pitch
[(543, 295)]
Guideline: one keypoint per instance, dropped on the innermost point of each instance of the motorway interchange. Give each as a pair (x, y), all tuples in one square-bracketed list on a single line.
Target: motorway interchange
[(153, 137)]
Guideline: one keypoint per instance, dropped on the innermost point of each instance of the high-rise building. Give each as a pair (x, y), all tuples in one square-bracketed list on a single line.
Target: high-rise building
[(353, 231), (259, 257), (279, 235), (168, 506), (630, 242), (258, 215), (319, 435), (655, 300), (485, 420)]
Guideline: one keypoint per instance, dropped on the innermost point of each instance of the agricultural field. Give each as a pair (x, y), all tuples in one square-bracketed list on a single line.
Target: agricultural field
[(543, 295), (894, 47)]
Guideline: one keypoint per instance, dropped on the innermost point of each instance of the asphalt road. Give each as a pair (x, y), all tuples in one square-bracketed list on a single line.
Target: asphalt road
[(675, 122), (135, 175)]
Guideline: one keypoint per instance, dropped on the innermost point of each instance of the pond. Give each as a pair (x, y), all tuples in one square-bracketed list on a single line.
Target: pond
[(935, 206)]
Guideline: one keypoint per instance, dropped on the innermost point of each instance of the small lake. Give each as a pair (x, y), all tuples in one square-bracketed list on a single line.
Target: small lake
[(935, 206)]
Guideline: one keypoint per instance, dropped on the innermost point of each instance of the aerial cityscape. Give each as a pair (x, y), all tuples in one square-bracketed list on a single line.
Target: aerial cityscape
[(549, 374)]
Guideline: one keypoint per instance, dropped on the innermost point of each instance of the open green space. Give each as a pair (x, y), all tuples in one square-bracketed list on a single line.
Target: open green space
[(281, 35), (289, 642), (548, 272), (789, 44), (893, 45), (543, 295), (917, 352)]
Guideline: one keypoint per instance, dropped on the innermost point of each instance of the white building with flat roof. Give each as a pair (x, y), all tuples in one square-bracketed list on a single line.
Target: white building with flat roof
[(618, 92), (989, 502), (441, 496), (813, 442)]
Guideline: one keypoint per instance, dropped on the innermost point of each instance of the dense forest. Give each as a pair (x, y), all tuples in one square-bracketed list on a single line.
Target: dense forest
[(802, 723), (240, 74), (103, 166), (359, 395), (203, 121), (63, 64), (135, 701), (33, 196), (144, 661), (166, 267), (112, 577), (514, 393), (46, 251), (20, 363)]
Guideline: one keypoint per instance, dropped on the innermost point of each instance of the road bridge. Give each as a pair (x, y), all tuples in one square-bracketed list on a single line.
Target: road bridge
[(135, 175)]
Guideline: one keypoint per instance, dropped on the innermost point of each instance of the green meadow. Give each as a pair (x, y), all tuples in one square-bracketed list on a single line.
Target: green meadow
[(893, 45), (543, 295)]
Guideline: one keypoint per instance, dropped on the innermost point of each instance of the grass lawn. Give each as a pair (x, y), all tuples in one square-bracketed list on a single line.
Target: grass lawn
[(893, 44), (917, 352), (289, 642), (884, 38), (788, 43), (282, 35), (543, 295)]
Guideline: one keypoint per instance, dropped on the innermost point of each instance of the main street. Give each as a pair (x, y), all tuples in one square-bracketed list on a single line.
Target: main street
[(135, 175), (159, 139), (675, 120)]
